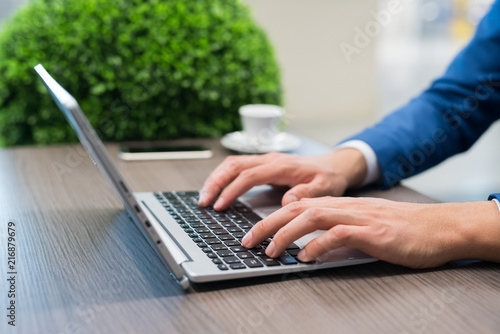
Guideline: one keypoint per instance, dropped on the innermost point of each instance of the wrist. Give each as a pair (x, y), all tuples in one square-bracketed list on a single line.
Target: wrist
[(480, 231), (350, 164)]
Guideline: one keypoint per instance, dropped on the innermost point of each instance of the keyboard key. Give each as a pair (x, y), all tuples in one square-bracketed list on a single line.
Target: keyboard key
[(218, 247), (219, 231), (215, 227), (197, 240), (225, 253), (269, 261), (231, 259), (243, 209), (252, 217), (253, 263), (212, 255), (222, 267), (228, 224), (213, 242), (286, 259), (207, 235), (202, 245), (293, 252), (207, 249), (246, 226), (217, 261), (239, 235), (225, 237), (237, 266), (202, 230), (193, 235), (240, 207), (239, 249), (244, 255), (234, 230), (197, 225), (231, 243), (266, 242), (292, 246), (259, 252)]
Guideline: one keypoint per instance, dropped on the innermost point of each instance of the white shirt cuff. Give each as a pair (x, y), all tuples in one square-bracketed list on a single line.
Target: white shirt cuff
[(373, 169), (496, 201)]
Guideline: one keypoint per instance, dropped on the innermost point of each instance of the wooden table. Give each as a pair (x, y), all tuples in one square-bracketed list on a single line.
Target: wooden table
[(83, 267)]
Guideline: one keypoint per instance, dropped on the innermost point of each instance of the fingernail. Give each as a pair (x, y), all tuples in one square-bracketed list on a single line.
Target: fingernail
[(303, 256), (218, 205), (270, 249), (247, 239)]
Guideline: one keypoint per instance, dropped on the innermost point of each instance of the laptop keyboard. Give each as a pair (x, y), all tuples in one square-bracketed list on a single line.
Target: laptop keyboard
[(219, 233)]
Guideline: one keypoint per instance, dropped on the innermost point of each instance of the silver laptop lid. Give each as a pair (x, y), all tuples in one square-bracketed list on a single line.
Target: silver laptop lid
[(98, 153)]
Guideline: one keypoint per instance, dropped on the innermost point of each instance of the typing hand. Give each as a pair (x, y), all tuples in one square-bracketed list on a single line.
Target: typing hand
[(412, 235), (329, 174)]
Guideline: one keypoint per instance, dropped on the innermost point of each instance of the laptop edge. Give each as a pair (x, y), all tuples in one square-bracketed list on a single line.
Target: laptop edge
[(85, 132)]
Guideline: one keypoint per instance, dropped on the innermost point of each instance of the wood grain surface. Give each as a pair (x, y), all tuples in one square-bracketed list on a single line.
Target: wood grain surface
[(83, 267)]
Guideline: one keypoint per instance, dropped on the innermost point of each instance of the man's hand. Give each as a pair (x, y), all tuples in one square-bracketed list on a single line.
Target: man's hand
[(329, 174), (412, 235)]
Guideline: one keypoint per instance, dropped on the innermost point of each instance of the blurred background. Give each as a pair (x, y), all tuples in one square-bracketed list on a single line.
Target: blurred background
[(330, 94)]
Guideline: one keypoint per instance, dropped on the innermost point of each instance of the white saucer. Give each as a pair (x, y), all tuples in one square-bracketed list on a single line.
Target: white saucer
[(238, 141)]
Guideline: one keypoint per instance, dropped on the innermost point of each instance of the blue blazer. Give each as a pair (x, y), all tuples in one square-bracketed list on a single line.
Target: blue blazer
[(447, 118)]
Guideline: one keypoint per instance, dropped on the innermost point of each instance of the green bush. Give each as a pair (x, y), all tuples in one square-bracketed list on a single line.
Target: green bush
[(140, 69)]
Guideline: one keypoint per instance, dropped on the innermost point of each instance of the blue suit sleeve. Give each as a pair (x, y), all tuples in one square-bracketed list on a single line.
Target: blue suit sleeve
[(448, 117)]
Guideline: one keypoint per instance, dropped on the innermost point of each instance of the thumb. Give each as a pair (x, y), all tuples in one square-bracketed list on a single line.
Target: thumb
[(315, 188)]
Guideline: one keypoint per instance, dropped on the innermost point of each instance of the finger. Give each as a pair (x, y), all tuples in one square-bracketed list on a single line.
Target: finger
[(351, 236), (250, 177), (228, 170), (316, 218), (223, 175), (316, 188), (271, 224)]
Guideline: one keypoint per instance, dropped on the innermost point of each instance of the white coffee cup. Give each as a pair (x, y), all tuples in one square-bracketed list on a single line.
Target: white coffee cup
[(261, 122)]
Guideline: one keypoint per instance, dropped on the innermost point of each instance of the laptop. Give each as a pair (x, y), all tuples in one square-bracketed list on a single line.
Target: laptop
[(197, 244)]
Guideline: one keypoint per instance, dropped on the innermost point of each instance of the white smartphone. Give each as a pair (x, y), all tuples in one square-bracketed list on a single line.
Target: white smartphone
[(135, 153)]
